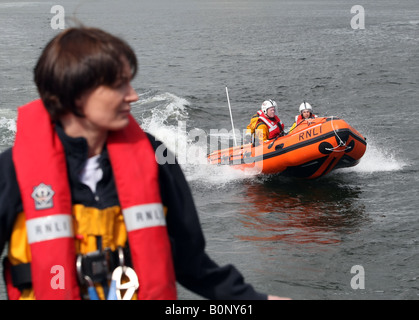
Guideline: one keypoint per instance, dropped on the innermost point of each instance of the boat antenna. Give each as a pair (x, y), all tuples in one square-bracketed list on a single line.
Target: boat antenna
[(231, 117)]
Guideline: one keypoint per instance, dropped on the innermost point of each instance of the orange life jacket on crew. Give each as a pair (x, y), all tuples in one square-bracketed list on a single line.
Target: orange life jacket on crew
[(275, 127), (41, 172)]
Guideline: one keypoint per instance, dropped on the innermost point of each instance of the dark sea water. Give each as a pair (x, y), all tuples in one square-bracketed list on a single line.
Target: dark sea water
[(289, 237)]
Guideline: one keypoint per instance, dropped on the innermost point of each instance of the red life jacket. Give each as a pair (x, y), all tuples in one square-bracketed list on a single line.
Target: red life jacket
[(300, 118), (41, 172), (275, 126)]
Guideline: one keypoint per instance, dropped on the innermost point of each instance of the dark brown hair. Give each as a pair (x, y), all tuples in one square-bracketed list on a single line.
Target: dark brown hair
[(77, 60)]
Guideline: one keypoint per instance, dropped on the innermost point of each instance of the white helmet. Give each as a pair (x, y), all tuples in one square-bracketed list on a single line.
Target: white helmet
[(268, 104), (305, 106)]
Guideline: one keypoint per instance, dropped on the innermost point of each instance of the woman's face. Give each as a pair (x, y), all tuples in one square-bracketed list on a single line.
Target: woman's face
[(305, 114), (107, 108)]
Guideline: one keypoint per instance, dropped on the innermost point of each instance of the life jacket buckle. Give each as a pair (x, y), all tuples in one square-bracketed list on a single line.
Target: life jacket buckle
[(123, 272), (129, 287), (85, 279), (94, 264)]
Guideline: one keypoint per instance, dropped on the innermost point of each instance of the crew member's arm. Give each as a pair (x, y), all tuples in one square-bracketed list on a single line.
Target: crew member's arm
[(250, 129), (261, 133)]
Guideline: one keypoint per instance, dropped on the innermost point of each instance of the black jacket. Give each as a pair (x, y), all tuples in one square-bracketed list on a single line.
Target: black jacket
[(193, 267)]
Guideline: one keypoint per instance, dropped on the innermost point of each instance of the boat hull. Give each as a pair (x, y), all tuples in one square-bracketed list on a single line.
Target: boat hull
[(313, 149)]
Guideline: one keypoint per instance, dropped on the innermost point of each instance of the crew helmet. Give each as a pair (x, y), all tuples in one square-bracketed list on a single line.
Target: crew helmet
[(268, 104), (305, 106)]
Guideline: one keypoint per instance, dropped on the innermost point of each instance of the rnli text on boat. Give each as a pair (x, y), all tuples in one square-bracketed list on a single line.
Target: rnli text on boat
[(315, 131)]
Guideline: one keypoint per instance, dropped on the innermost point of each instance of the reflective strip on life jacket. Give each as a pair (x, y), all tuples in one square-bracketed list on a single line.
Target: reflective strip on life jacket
[(49, 228), (144, 216)]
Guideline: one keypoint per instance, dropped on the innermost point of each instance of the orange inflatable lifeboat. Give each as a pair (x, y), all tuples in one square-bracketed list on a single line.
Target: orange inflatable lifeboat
[(313, 149)]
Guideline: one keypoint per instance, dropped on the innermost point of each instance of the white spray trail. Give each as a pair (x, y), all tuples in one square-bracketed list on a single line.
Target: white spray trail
[(165, 116)]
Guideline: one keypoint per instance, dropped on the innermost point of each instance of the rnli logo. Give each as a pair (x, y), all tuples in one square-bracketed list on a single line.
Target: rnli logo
[(42, 195)]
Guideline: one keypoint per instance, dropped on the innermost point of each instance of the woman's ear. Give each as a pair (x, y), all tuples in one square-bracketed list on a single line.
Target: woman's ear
[(79, 103)]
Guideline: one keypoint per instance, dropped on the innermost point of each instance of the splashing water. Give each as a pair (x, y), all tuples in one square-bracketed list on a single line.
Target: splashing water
[(376, 160), (165, 116)]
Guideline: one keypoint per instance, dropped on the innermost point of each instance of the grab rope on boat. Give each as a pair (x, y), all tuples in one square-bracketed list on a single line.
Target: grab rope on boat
[(341, 142)]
